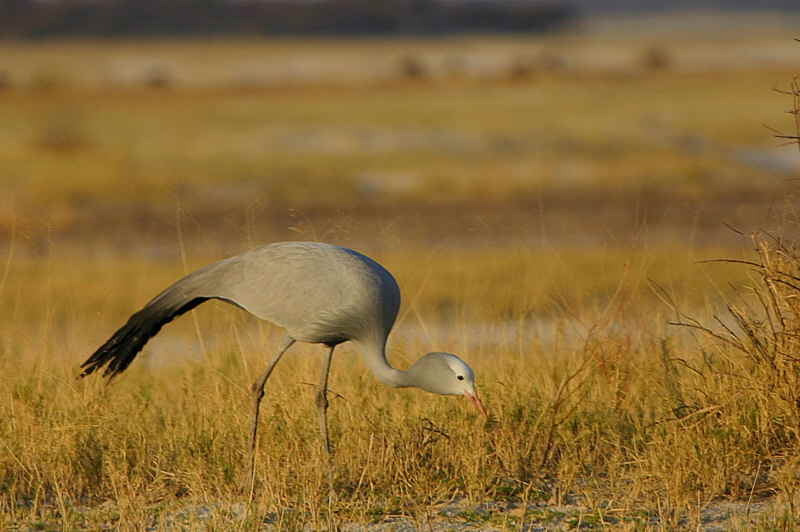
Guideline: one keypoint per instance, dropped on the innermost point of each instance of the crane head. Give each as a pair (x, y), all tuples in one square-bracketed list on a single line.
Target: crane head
[(446, 374)]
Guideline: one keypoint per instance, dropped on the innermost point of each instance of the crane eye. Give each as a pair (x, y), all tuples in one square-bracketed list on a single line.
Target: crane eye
[(460, 377)]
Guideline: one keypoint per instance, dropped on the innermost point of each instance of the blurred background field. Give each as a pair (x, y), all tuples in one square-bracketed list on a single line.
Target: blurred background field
[(499, 138), (491, 138), (543, 200)]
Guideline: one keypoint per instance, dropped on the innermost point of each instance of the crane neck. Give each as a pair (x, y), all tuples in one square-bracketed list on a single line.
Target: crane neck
[(374, 355)]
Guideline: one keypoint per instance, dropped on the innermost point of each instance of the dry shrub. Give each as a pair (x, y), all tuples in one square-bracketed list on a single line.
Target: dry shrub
[(49, 79), (5, 80), (158, 77), (750, 370), (794, 92), (63, 130), (526, 66), (413, 67), (656, 58)]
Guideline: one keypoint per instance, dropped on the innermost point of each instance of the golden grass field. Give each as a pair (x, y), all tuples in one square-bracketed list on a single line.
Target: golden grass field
[(544, 205)]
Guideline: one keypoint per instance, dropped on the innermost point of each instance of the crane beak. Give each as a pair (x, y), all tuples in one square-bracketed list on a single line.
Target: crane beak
[(477, 401)]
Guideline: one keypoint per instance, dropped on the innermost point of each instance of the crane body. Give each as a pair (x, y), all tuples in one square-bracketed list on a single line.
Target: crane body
[(319, 293)]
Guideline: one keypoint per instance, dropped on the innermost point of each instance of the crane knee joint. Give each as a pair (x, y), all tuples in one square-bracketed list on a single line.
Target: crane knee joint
[(322, 400)]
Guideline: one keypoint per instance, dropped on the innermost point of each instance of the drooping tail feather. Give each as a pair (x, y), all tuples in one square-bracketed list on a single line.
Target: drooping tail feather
[(120, 350)]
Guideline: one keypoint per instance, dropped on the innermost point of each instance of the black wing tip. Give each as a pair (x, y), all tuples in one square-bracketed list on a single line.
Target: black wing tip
[(116, 354), (119, 351), (96, 362)]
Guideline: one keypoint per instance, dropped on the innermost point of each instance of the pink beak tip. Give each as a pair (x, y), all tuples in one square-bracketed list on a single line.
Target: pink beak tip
[(475, 399)]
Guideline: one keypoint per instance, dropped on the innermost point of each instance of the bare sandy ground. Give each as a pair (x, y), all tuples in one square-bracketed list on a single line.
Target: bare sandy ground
[(457, 516)]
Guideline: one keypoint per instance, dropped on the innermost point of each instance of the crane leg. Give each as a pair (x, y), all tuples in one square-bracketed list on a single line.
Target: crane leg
[(258, 395), (322, 408), (322, 402)]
